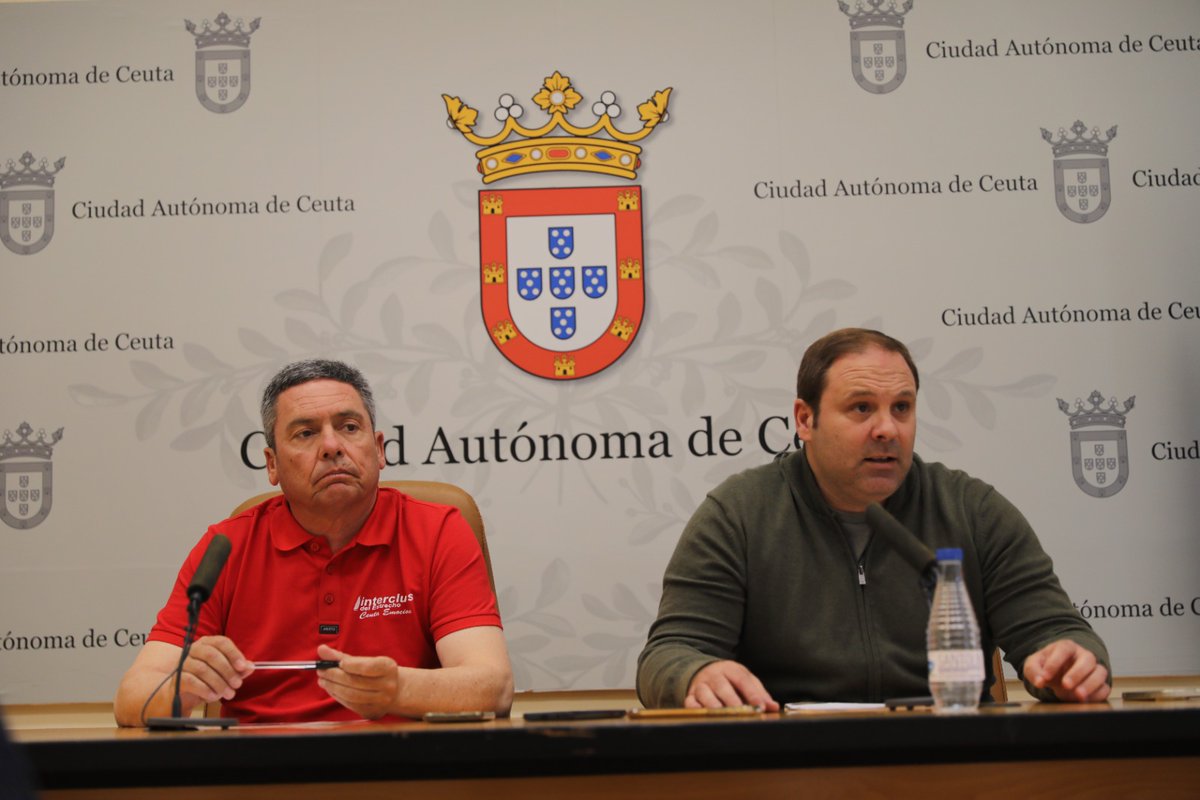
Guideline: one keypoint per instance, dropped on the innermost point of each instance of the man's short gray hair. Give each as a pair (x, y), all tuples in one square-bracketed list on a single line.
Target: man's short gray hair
[(314, 369)]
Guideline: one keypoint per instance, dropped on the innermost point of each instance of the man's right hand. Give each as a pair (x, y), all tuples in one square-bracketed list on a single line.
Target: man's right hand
[(727, 683), (214, 669)]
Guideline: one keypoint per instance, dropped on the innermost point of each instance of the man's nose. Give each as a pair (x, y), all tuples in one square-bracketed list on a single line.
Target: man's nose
[(884, 428), (331, 444)]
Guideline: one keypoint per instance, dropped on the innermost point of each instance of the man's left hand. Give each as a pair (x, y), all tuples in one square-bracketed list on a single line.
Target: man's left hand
[(367, 685), (1069, 670)]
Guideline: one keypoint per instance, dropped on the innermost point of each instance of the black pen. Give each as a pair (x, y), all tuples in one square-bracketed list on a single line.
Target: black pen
[(295, 664)]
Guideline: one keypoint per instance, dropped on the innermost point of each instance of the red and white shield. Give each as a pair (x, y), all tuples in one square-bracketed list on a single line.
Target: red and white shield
[(562, 276)]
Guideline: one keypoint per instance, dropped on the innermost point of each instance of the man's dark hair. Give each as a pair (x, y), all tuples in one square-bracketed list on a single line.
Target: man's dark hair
[(820, 355), (315, 369)]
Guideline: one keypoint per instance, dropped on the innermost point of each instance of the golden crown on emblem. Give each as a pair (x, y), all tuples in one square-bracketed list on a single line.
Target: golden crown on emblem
[(558, 145)]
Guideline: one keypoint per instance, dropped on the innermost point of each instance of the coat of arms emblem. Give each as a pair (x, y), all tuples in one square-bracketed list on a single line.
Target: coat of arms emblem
[(878, 59), (27, 204), (1099, 453), (27, 476), (1082, 188), (562, 272), (222, 62)]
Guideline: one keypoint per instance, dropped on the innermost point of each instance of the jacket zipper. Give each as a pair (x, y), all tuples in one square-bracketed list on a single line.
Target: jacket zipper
[(874, 668)]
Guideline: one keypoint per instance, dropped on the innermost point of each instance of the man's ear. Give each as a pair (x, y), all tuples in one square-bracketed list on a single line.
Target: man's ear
[(272, 466), (806, 420)]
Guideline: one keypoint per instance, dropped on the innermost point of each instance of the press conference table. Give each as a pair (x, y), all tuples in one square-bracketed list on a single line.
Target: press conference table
[(1104, 750)]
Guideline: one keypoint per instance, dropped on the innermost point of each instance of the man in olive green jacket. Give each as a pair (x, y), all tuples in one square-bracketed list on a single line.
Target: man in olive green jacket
[(776, 591)]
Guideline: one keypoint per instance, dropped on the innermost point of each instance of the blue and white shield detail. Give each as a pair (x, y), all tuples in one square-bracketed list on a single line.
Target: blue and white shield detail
[(562, 282), (541, 316), (595, 281), (561, 241), (562, 322), (529, 283)]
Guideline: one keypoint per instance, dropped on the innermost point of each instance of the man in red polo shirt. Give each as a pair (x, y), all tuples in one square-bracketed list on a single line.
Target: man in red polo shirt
[(337, 569)]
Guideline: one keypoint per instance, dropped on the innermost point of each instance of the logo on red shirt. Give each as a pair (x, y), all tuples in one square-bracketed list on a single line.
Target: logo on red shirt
[(383, 605)]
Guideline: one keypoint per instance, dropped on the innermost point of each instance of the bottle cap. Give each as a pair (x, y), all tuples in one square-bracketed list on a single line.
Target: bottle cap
[(949, 554)]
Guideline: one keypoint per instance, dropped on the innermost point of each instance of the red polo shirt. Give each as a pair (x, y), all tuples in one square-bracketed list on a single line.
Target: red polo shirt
[(413, 574)]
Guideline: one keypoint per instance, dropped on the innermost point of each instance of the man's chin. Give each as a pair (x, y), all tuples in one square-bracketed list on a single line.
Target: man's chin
[(340, 485), (883, 483)]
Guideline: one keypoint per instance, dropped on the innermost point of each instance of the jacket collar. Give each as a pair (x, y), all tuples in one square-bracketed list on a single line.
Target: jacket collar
[(799, 477)]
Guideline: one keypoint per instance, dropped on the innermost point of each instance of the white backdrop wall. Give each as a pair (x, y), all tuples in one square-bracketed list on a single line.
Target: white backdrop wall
[(200, 303)]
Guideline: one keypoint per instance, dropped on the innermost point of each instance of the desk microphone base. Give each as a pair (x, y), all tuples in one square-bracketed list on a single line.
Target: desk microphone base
[(188, 723)]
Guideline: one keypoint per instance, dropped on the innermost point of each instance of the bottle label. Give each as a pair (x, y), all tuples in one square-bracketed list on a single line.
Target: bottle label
[(948, 666)]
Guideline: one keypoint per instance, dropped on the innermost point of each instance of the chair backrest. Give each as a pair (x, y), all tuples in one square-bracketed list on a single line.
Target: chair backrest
[(999, 690), (446, 494)]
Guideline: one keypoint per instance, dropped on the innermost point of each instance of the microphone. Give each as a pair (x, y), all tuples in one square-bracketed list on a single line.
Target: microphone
[(209, 570), (199, 590), (906, 545)]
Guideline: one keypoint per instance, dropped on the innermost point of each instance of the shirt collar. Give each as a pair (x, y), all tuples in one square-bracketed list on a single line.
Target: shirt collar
[(287, 533)]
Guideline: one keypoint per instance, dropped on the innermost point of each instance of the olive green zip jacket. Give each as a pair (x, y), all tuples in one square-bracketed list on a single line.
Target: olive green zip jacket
[(764, 575)]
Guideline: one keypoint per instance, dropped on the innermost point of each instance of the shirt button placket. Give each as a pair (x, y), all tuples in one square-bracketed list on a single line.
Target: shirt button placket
[(328, 590), (329, 596)]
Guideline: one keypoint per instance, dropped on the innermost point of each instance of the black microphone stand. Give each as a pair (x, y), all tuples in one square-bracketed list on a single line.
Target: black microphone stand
[(177, 721)]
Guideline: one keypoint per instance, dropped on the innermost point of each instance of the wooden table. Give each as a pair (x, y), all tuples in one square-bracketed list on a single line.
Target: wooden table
[(1103, 750)]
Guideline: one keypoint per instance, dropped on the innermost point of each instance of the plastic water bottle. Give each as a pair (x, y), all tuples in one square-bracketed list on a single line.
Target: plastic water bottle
[(955, 654)]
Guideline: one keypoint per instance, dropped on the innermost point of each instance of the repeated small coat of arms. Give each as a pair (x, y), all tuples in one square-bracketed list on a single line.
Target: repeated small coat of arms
[(27, 204), (1082, 186), (27, 475), (1099, 452), (222, 62), (878, 57)]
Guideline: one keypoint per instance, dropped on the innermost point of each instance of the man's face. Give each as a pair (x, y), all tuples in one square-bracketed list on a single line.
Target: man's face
[(326, 455), (860, 445)]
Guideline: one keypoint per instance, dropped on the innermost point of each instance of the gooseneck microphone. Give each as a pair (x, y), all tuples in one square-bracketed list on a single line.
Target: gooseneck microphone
[(205, 576), (906, 545), (198, 591)]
